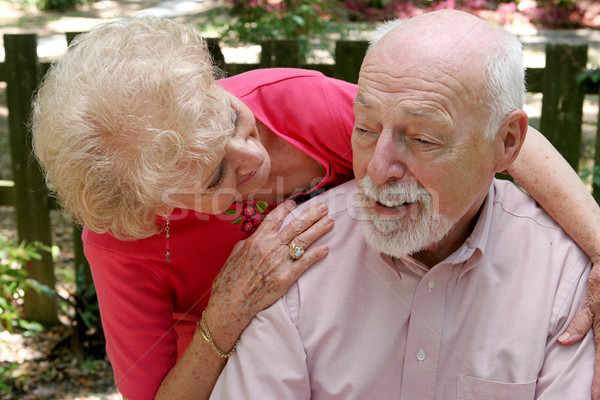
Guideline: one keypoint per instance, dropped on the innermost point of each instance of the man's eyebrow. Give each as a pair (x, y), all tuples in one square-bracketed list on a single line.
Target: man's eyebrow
[(361, 102), (424, 113)]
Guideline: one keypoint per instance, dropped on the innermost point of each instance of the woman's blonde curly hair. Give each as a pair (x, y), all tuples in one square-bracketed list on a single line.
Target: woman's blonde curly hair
[(128, 115)]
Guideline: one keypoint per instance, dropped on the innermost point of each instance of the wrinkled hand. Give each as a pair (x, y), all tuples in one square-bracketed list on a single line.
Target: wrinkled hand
[(259, 270), (588, 317)]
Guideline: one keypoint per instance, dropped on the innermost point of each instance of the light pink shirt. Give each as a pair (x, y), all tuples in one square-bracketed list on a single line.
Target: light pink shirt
[(482, 324)]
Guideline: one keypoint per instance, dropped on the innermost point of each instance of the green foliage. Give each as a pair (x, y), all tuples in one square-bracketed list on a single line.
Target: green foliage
[(86, 302), (593, 75), (59, 5), (24, 2), (594, 173), (51, 5), (254, 21), (557, 3), (4, 372), (89, 367), (83, 302), (14, 259)]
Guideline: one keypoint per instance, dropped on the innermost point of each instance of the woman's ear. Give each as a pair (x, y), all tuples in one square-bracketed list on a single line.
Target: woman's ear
[(164, 211), (510, 139)]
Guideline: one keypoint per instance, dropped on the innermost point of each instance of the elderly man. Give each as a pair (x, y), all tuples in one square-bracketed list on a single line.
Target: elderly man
[(458, 285)]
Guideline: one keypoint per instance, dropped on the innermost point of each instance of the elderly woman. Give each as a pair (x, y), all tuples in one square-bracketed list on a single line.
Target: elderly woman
[(172, 173)]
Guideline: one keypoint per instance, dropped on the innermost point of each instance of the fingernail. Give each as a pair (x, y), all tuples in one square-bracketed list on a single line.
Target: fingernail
[(564, 337), (291, 203), (322, 207), (328, 220)]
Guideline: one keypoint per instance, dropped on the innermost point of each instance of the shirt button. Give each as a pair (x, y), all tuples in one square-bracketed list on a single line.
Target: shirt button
[(431, 284), (421, 355)]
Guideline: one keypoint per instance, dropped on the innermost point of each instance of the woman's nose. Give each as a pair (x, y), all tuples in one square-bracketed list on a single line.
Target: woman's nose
[(246, 154)]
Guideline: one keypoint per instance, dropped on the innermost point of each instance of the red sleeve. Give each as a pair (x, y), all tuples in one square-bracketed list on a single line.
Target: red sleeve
[(136, 309), (312, 112)]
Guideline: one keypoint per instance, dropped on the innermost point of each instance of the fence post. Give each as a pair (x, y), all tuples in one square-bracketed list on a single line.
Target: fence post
[(31, 203), (214, 47), (280, 53), (349, 55), (563, 99), (72, 35)]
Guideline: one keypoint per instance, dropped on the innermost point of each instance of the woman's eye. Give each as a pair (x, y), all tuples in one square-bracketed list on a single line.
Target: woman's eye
[(219, 180), (236, 118)]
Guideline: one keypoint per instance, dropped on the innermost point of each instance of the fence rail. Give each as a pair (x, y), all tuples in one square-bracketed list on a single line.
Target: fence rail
[(561, 122)]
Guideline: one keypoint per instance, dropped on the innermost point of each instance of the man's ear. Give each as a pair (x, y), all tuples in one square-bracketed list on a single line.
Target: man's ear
[(510, 138)]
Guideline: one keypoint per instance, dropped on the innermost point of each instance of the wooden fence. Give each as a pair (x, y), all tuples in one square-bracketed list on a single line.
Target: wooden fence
[(561, 122)]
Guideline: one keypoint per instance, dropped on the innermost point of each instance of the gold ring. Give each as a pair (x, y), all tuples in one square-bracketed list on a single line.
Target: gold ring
[(296, 251)]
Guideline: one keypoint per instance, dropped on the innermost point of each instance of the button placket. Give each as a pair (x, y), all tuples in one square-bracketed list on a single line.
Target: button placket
[(431, 284), (425, 333)]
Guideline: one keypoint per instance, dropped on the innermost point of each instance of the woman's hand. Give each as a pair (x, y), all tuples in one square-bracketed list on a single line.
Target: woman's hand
[(588, 317), (259, 270)]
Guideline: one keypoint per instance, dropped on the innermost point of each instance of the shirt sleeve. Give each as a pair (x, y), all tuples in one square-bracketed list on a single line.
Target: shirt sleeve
[(270, 361), (135, 306), (568, 370)]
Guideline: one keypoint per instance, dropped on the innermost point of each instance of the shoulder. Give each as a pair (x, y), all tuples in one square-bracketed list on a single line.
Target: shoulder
[(536, 261), (523, 232), (343, 207), (352, 276), (105, 245), (513, 206), (348, 250), (341, 201), (115, 262)]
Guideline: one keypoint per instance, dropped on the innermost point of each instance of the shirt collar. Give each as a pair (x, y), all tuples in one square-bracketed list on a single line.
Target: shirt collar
[(473, 249)]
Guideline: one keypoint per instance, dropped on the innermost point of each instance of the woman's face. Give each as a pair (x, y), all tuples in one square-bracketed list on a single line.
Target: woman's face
[(244, 167)]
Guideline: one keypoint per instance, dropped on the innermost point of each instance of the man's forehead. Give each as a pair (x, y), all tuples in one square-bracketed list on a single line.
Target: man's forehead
[(362, 100), (448, 84), (396, 108)]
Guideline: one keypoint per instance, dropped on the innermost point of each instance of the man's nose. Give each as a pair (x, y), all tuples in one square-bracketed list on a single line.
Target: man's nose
[(386, 164)]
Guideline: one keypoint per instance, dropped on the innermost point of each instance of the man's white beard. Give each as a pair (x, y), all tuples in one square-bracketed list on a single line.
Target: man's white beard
[(404, 235)]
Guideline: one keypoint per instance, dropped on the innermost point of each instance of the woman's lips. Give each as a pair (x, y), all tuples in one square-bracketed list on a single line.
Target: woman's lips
[(247, 178)]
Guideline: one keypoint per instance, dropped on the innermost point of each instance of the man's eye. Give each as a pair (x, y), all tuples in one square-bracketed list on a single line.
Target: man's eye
[(425, 143), (364, 131), (364, 137)]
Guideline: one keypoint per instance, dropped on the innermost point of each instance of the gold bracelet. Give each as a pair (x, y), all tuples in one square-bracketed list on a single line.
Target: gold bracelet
[(203, 327)]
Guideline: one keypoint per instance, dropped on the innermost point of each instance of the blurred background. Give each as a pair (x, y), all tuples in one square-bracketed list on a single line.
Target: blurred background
[(62, 356)]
